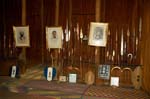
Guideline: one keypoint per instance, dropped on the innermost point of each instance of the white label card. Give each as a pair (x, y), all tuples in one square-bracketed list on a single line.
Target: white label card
[(13, 71), (49, 73)]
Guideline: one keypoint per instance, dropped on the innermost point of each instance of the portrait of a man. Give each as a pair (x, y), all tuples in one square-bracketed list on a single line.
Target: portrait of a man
[(21, 36), (54, 34), (98, 34), (54, 37), (104, 71)]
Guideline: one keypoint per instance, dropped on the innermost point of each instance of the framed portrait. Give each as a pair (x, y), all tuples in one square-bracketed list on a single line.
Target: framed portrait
[(98, 34), (72, 78), (62, 78), (21, 36), (114, 81), (54, 37), (104, 71)]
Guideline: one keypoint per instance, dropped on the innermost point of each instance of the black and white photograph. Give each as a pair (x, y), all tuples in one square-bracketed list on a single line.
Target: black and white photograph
[(104, 71), (98, 34), (54, 37), (21, 36)]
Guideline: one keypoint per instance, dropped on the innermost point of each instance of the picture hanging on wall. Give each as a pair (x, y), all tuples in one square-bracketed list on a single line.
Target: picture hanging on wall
[(98, 34), (104, 71), (54, 37), (21, 36)]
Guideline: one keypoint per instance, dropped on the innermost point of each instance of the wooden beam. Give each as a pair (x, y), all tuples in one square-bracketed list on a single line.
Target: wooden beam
[(42, 29), (56, 52), (57, 13), (98, 10), (97, 19), (23, 12), (97, 49), (22, 55)]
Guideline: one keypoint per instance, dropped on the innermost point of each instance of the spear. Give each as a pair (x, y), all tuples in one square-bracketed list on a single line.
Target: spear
[(116, 46), (121, 50)]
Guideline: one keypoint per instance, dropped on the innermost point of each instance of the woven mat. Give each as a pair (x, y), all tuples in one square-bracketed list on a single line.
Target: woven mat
[(54, 94), (6, 94), (54, 89), (53, 85), (107, 92), (40, 88)]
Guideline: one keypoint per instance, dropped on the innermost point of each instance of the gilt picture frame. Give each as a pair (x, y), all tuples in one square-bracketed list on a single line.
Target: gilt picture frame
[(54, 37), (98, 34), (21, 36)]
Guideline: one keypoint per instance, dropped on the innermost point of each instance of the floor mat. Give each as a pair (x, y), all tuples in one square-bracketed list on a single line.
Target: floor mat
[(53, 85), (107, 92), (55, 89)]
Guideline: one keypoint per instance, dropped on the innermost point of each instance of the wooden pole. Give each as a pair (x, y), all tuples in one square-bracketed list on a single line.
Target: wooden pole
[(70, 13), (97, 19), (22, 55), (42, 30), (56, 60), (57, 13), (97, 10), (23, 12), (97, 49)]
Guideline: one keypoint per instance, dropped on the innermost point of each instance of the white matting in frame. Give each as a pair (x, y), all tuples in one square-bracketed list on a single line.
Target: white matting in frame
[(98, 34), (54, 37), (21, 36), (114, 81)]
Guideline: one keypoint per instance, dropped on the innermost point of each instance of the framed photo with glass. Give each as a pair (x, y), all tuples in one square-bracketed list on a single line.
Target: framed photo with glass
[(104, 71), (21, 36), (54, 37), (98, 34)]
